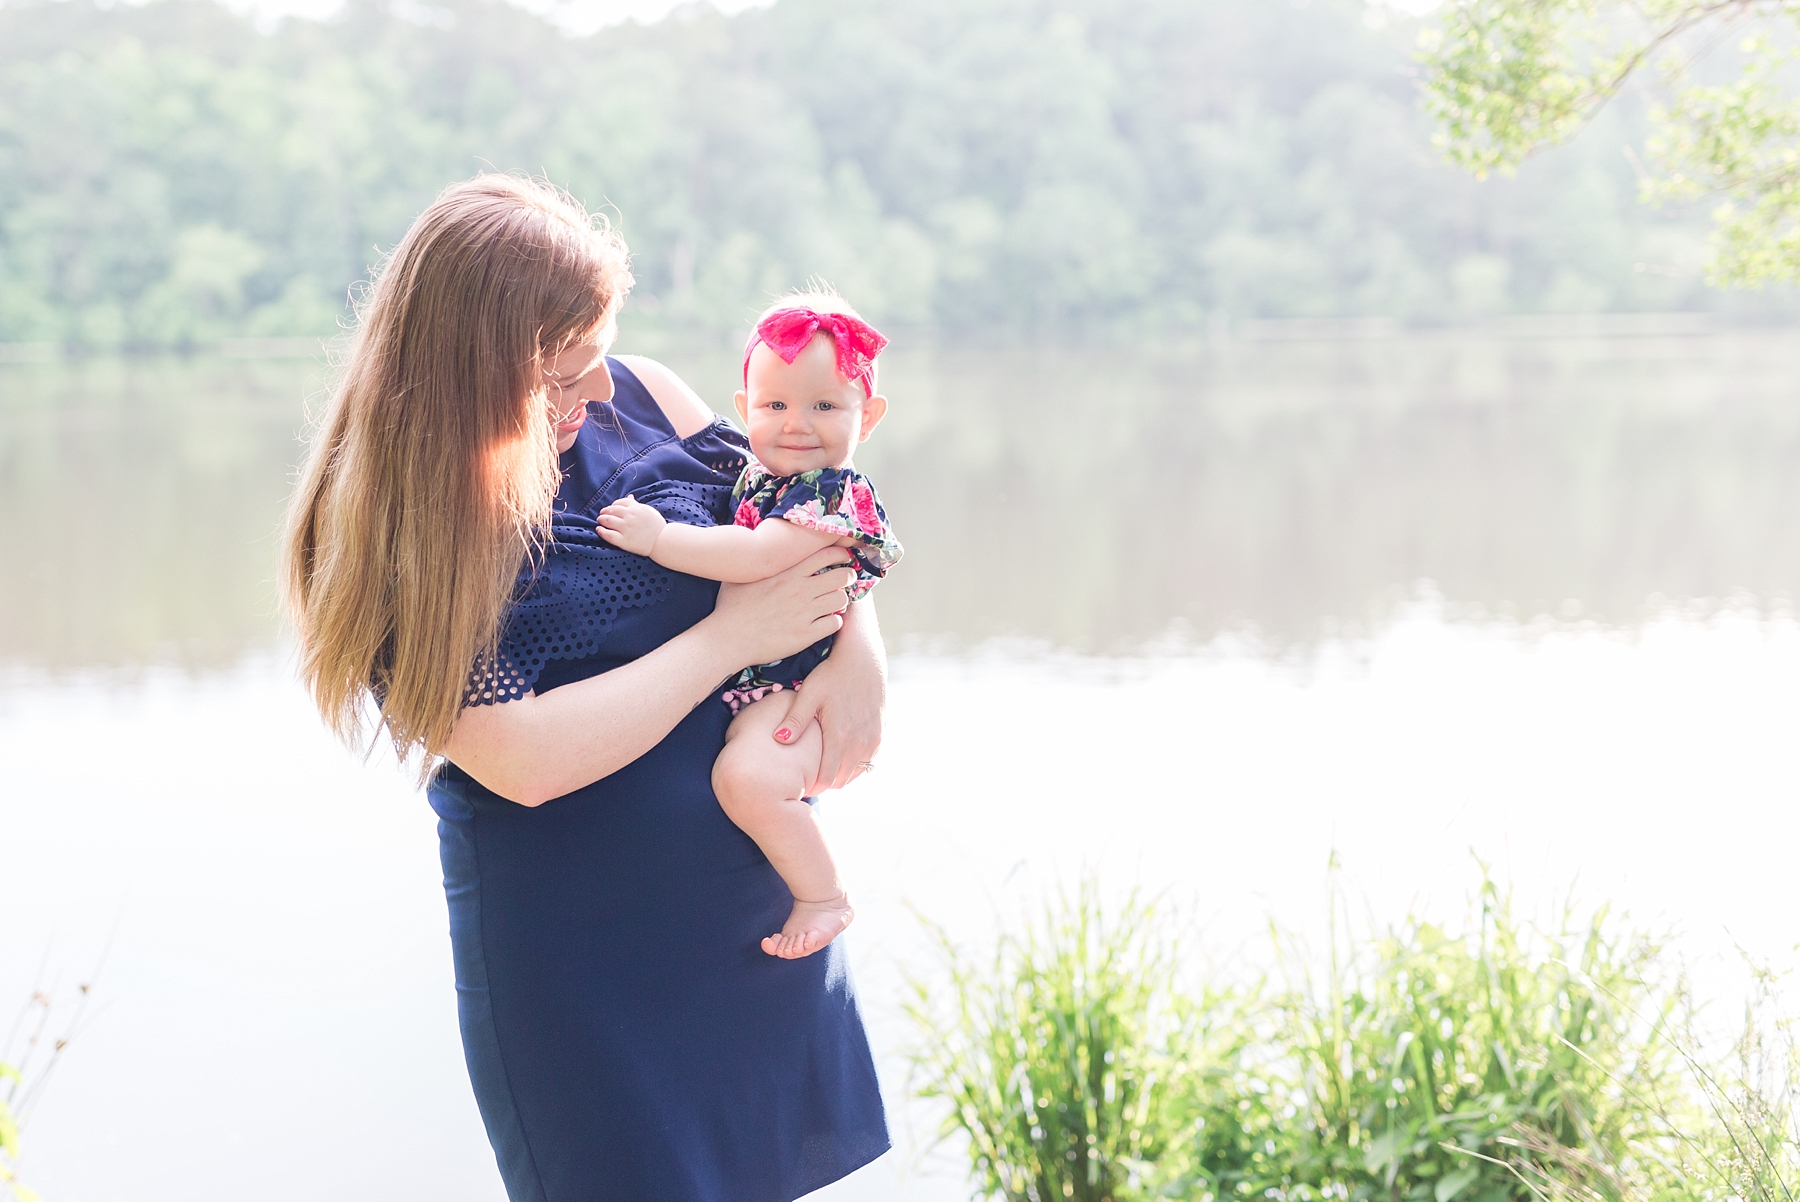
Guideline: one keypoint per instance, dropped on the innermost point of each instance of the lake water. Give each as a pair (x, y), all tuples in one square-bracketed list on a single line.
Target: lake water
[(1192, 619)]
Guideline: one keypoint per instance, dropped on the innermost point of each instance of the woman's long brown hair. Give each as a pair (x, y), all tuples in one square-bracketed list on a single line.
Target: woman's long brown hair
[(430, 479)]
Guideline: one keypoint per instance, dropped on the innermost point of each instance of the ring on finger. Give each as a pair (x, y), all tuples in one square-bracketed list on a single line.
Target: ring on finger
[(866, 766)]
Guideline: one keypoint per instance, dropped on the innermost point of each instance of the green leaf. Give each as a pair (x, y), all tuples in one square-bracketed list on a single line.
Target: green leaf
[(1455, 1183), (1384, 1151)]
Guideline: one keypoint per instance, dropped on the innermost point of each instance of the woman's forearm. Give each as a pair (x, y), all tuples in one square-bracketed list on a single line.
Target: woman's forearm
[(543, 746), (861, 639)]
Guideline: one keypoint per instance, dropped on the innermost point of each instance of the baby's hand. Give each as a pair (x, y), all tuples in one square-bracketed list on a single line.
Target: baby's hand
[(631, 526)]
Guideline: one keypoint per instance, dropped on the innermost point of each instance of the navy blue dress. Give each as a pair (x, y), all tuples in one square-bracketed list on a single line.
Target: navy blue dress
[(627, 1038)]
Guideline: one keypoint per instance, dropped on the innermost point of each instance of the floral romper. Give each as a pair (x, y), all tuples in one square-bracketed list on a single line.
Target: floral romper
[(836, 501)]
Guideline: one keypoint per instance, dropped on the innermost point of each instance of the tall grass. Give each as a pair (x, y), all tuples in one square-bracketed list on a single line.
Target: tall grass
[(1412, 1064), (1753, 1153), (1736, 1137), (1065, 1056), (1428, 1066)]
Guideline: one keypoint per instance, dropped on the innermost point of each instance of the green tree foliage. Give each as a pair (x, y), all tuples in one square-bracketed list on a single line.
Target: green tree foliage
[(1510, 77), (170, 175)]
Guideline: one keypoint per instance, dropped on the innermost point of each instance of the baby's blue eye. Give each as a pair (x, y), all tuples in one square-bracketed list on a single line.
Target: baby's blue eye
[(778, 404), (826, 405)]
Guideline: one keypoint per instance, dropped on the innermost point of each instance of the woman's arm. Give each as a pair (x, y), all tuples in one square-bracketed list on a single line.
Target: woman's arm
[(736, 554), (847, 694), (544, 746)]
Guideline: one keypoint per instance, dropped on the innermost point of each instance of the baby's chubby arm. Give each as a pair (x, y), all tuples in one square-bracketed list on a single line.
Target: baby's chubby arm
[(733, 554)]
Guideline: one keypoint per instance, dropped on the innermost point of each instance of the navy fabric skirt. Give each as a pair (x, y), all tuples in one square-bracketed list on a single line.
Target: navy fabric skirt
[(627, 1037)]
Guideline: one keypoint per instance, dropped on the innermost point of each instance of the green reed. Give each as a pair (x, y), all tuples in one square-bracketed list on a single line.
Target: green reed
[(1427, 1066), (1733, 1135), (1748, 1149), (1497, 1063), (1066, 1054)]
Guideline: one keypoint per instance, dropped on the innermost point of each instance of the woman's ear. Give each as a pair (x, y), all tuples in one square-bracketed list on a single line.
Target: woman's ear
[(873, 410), (742, 401)]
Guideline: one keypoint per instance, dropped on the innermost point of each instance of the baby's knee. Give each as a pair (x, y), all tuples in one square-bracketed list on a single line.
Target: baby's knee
[(747, 776)]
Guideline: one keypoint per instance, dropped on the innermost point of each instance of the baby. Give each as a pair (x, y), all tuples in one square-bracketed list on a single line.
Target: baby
[(808, 398)]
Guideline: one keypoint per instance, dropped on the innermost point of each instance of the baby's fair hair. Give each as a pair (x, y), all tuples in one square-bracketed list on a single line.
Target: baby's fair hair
[(821, 297)]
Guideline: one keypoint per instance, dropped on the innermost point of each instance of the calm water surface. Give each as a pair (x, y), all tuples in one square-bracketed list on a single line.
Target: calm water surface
[(1092, 500), (1194, 618)]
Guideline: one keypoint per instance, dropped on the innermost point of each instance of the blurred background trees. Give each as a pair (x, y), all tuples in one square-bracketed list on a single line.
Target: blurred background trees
[(1507, 78), (171, 175)]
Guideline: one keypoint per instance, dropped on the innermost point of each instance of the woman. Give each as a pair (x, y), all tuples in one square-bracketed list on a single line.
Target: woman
[(626, 1036)]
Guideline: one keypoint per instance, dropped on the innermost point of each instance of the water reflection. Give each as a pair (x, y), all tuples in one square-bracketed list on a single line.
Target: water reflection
[(1304, 488), (138, 506), (1091, 498), (1300, 488)]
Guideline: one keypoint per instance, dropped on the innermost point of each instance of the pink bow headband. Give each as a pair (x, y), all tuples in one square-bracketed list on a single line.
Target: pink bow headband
[(787, 331)]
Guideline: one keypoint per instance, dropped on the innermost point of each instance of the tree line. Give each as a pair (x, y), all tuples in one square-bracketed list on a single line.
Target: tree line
[(171, 175)]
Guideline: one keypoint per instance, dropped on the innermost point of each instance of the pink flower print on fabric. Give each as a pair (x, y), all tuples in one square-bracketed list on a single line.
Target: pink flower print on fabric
[(840, 502), (812, 515), (860, 499), (837, 501), (787, 331)]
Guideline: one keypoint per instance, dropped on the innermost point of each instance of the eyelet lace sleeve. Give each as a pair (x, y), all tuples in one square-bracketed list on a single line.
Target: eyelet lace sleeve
[(567, 605), (564, 609), (686, 501)]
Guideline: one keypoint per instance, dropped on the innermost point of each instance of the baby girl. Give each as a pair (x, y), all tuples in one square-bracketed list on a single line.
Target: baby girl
[(808, 398)]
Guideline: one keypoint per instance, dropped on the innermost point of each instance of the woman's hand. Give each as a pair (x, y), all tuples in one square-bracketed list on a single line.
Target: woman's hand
[(774, 618), (846, 694)]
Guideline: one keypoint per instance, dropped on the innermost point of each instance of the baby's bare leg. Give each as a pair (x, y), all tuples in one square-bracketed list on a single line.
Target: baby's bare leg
[(760, 784)]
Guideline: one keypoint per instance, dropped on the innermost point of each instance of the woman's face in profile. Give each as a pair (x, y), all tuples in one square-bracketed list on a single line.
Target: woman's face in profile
[(575, 379)]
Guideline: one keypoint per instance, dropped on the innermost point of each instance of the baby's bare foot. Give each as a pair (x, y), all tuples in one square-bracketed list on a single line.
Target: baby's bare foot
[(810, 926)]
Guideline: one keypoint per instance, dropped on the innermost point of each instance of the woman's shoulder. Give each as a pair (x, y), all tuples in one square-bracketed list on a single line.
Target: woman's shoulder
[(632, 445), (687, 414)]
